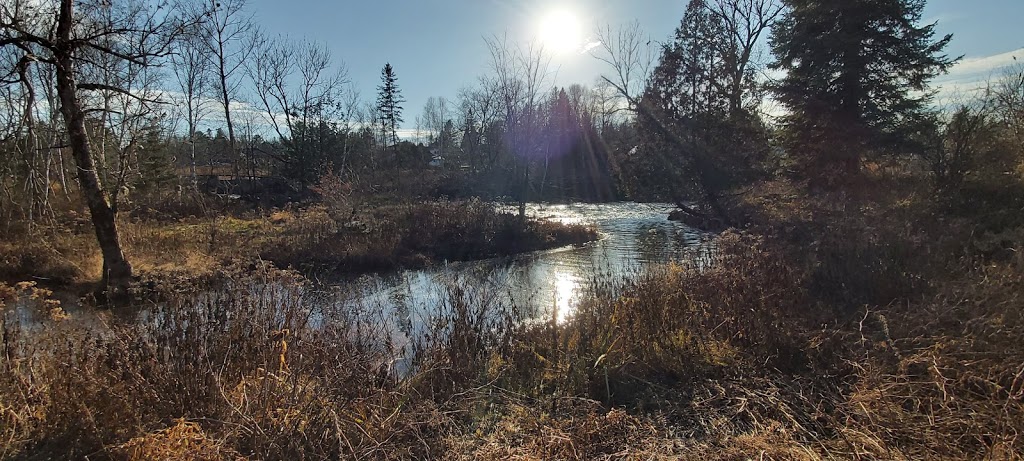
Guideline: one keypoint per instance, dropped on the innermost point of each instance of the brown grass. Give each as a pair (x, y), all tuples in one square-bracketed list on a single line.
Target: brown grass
[(264, 384), (184, 440), (411, 236), (883, 326), (176, 253), (61, 255)]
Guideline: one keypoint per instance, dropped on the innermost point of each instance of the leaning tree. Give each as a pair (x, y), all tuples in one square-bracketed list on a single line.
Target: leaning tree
[(75, 38)]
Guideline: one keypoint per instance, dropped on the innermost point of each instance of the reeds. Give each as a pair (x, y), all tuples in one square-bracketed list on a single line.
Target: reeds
[(882, 335)]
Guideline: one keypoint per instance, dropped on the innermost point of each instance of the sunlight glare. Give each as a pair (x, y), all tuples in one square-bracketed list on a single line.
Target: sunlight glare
[(561, 32), (565, 285)]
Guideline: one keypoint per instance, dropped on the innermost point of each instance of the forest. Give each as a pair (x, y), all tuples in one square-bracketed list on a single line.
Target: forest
[(186, 200)]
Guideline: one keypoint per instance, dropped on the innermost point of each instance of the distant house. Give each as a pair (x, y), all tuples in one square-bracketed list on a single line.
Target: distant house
[(436, 158)]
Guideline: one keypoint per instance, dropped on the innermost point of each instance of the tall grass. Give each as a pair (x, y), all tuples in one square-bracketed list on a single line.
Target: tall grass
[(412, 236), (264, 367), (880, 336), (173, 249)]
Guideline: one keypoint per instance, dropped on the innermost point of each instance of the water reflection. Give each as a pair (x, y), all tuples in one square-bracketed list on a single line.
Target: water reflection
[(541, 286), (545, 284), (566, 285)]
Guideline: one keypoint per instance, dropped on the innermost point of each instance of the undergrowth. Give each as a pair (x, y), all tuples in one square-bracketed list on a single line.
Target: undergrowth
[(176, 248), (881, 327)]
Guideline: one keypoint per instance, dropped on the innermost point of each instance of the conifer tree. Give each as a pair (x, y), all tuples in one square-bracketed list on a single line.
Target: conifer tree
[(699, 141), (857, 74), (389, 103)]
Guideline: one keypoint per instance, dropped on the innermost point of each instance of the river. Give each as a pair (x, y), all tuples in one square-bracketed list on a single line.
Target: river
[(538, 285), (547, 283)]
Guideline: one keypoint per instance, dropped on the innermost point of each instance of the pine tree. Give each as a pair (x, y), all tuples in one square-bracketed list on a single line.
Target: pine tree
[(389, 103), (857, 74), (690, 77), (698, 141)]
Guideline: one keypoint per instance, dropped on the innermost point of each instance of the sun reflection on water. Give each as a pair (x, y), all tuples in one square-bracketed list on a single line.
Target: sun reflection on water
[(566, 285)]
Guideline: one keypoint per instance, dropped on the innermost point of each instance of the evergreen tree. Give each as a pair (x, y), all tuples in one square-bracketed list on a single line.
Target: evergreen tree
[(690, 77), (857, 74), (156, 161), (697, 141), (308, 150), (389, 103)]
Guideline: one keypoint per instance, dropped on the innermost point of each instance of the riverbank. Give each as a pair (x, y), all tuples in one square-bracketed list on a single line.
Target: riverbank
[(178, 251), (883, 325)]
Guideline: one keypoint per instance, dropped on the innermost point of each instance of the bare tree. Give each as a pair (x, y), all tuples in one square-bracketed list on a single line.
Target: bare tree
[(370, 117), (301, 91), (227, 36), (350, 121), (479, 111), (578, 97), (958, 141), (191, 69), (435, 115), (1007, 94), (124, 120), (68, 36), (630, 56), (20, 135), (747, 21), (521, 77), (603, 104), (271, 68)]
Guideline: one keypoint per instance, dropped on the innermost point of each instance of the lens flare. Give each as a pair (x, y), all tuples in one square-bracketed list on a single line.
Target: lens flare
[(561, 32)]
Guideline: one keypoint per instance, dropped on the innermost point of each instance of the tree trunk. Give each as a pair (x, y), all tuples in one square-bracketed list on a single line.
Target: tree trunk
[(192, 155), (117, 272), (524, 191), (225, 99)]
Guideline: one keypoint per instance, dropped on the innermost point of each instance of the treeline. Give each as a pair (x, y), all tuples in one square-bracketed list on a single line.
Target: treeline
[(106, 105), (206, 94), (109, 103), (851, 82)]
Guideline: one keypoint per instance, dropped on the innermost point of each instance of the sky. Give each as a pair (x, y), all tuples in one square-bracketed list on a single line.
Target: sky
[(437, 46)]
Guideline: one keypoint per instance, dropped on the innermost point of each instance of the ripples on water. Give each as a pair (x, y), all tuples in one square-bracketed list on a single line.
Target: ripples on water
[(404, 309), (540, 285), (549, 283)]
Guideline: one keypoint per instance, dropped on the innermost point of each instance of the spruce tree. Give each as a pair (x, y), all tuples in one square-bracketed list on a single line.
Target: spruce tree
[(698, 143), (389, 103), (856, 77)]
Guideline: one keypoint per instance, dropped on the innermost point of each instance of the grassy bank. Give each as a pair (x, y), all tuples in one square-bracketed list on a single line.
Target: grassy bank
[(879, 326), (180, 248)]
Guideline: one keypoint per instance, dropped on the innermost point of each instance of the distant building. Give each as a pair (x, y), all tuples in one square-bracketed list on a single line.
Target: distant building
[(436, 157)]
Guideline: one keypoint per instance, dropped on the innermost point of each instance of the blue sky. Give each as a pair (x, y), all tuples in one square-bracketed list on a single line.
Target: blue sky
[(437, 46)]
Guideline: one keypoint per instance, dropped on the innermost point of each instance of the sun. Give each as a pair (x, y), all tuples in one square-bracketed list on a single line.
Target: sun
[(561, 32)]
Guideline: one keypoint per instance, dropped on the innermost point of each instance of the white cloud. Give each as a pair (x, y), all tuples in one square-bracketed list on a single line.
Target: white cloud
[(972, 66), (970, 76), (590, 46)]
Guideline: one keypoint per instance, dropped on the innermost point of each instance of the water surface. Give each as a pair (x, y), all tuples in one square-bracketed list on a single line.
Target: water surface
[(545, 283), (539, 285)]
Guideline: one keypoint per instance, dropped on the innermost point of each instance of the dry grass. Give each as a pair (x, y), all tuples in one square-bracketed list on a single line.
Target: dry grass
[(411, 236), (866, 331), (238, 372), (177, 253), (182, 441), (878, 327), (61, 255)]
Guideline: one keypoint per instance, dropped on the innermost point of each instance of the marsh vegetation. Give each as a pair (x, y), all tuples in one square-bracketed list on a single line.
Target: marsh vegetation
[(302, 281)]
